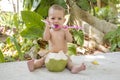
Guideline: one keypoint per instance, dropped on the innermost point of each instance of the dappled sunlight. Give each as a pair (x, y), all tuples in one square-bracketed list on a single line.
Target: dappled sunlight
[(10, 53), (6, 6), (94, 57), (11, 5)]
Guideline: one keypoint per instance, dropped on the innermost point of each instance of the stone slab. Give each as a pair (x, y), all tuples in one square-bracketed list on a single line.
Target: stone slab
[(108, 69)]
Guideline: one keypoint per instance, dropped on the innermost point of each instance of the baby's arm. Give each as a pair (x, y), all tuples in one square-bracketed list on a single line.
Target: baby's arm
[(68, 35)]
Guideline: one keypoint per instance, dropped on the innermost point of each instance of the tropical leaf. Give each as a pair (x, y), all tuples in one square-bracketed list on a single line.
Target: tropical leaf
[(79, 37), (42, 10), (32, 32), (31, 18), (71, 49), (34, 26), (16, 20), (113, 37), (113, 47), (43, 7), (1, 57), (108, 35)]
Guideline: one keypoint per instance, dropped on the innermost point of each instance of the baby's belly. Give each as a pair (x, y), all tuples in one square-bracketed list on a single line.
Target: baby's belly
[(57, 48)]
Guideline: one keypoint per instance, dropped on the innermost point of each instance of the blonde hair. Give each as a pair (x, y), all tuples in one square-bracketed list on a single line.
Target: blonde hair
[(57, 7)]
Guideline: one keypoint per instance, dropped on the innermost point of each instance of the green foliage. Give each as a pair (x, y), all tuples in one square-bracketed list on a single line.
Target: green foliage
[(26, 45), (31, 18), (32, 32), (105, 13), (60, 2), (85, 4), (17, 46), (34, 26), (43, 7), (112, 1), (79, 37), (27, 4), (1, 57), (113, 37), (105, 1), (71, 49), (16, 20), (6, 19), (9, 59)]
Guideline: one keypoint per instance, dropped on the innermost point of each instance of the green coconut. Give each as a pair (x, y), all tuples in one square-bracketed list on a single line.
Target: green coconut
[(56, 62)]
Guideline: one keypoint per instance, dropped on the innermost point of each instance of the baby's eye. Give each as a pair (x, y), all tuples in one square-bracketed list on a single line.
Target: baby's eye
[(52, 18), (59, 18)]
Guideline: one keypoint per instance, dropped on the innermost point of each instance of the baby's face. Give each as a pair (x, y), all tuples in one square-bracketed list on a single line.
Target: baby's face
[(56, 17)]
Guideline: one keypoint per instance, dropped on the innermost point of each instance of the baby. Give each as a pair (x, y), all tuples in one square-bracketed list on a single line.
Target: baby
[(57, 37)]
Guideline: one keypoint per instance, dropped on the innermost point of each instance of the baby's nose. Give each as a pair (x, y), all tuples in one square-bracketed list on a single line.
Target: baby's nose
[(56, 20)]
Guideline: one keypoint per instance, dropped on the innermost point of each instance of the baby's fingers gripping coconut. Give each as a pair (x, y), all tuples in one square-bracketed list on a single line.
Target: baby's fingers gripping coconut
[(56, 62)]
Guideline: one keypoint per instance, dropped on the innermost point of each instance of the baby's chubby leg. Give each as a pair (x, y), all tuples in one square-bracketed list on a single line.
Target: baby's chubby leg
[(34, 64), (75, 68)]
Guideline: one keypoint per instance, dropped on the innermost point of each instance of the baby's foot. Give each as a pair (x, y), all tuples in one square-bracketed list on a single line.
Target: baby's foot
[(78, 68), (30, 64)]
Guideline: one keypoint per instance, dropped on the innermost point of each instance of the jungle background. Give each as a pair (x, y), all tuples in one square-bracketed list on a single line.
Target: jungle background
[(21, 28)]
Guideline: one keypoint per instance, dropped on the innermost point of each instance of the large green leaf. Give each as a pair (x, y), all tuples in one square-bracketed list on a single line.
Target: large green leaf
[(79, 37), (43, 7), (71, 49), (34, 26), (32, 32), (43, 10), (31, 18)]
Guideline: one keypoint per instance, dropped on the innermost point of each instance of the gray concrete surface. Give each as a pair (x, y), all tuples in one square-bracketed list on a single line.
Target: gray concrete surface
[(108, 69)]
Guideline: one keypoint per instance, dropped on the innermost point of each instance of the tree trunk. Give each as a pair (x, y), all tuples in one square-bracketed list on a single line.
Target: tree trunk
[(93, 26), (99, 3), (79, 14)]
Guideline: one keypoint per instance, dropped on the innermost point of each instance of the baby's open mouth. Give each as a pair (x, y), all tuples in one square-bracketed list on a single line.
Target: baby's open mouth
[(56, 26)]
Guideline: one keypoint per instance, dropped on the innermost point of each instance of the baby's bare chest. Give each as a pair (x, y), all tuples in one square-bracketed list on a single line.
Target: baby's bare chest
[(57, 35)]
